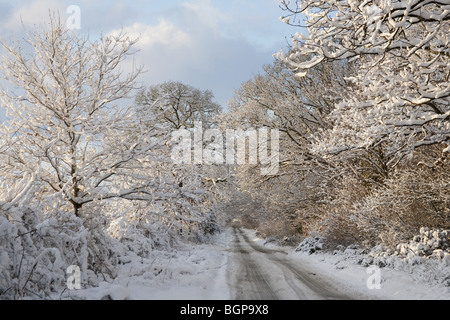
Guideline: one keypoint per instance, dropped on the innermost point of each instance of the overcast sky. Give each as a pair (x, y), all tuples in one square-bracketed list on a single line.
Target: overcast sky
[(209, 44)]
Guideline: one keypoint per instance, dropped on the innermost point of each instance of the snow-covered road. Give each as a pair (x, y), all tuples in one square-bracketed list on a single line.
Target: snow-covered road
[(259, 273), (239, 265)]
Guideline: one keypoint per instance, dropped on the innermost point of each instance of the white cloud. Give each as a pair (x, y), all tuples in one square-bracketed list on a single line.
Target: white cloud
[(200, 44), (209, 16), (164, 34), (209, 44), (34, 13)]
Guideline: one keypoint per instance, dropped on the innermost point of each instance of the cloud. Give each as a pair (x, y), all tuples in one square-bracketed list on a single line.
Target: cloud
[(191, 46), (153, 37), (215, 45), (206, 15), (5, 11), (33, 13)]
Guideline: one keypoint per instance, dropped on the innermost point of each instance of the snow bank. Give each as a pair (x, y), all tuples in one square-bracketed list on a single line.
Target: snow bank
[(418, 269), (187, 272), (311, 245), (427, 256)]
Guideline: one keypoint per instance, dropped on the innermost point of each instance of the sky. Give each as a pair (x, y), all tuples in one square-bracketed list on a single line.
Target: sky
[(209, 44)]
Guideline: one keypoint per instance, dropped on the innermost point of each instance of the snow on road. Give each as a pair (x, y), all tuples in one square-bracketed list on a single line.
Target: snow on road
[(237, 265), (258, 273)]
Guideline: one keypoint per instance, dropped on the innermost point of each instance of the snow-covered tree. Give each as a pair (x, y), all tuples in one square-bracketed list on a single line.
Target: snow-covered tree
[(298, 108), (179, 105), (85, 179), (397, 104), (402, 90), (68, 127)]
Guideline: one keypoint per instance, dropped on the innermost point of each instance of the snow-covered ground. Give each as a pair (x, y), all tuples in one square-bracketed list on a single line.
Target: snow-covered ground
[(190, 272), (394, 284), (199, 272)]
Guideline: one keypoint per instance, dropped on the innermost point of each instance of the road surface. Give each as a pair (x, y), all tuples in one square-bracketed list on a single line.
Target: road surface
[(259, 273)]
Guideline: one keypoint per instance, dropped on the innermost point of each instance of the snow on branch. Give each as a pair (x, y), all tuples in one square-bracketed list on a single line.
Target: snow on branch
[(401, 50)]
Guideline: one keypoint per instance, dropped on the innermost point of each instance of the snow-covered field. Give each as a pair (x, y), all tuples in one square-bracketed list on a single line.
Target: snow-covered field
[(200, 273)]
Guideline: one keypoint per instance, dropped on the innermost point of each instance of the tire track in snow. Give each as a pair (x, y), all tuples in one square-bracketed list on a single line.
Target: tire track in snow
[(267, 274), (251, 282)]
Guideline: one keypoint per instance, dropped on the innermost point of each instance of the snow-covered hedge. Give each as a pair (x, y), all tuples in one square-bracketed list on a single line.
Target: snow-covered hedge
[(36, 248), (35, 252), (428, 245), (426, 256), (311, 245)]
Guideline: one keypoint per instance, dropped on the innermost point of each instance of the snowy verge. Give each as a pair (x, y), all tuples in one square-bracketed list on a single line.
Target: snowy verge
[(189, 272), (394, 284)]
